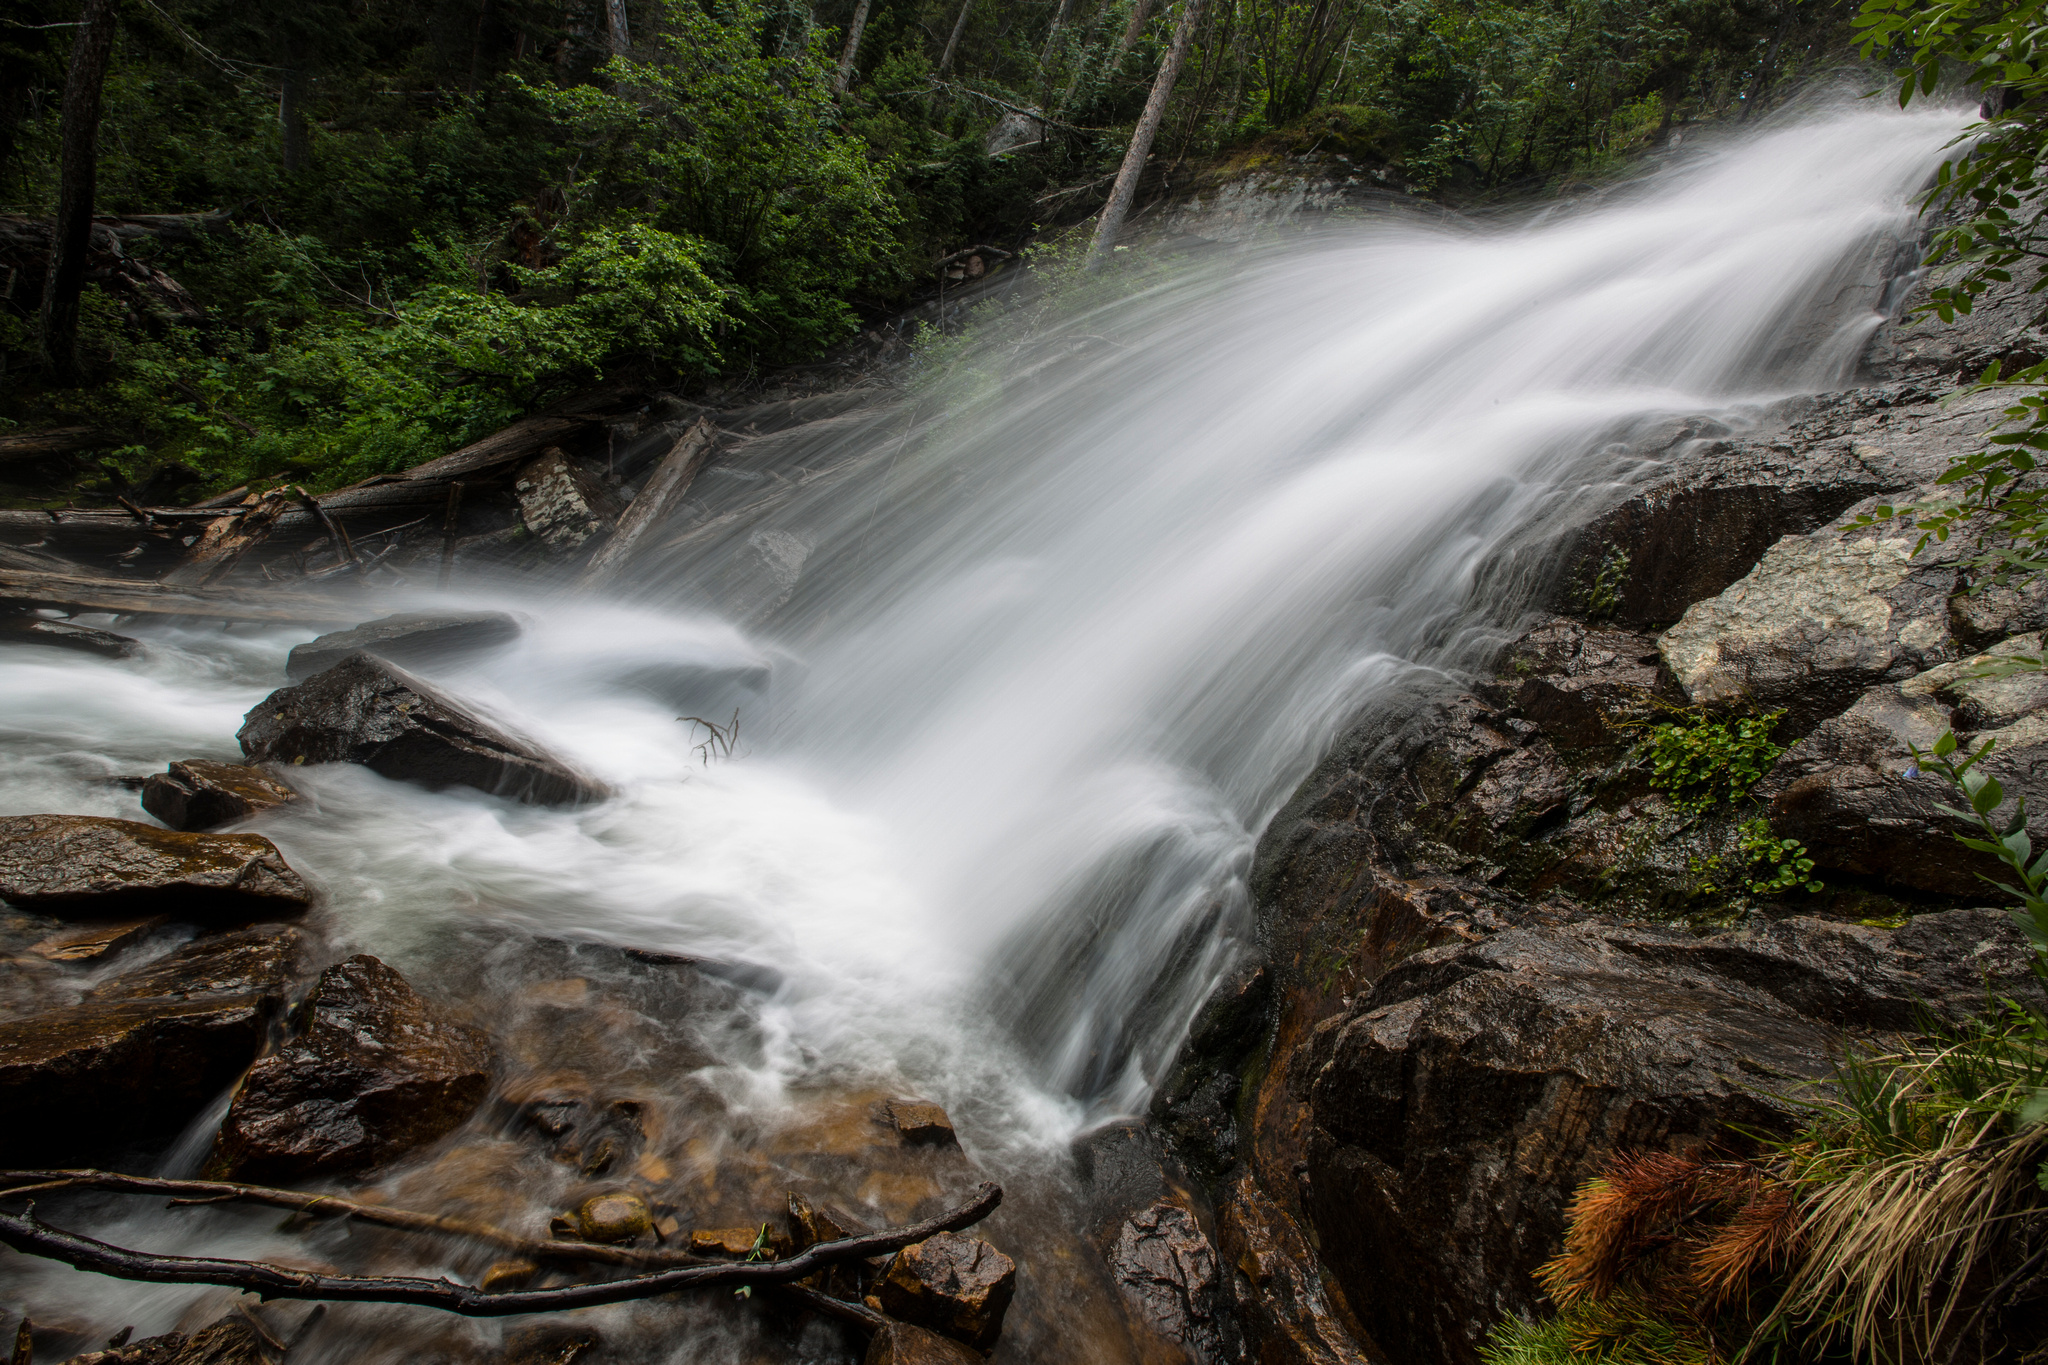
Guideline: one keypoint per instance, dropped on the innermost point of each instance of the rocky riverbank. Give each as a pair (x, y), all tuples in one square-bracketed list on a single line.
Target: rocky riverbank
[(1495, 952)]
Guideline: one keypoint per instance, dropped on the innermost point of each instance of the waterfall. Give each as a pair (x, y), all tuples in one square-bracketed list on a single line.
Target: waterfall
[(1024, 659)]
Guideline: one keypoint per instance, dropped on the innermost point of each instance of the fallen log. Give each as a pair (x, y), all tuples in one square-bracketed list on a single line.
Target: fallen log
[(34, 445), (28, 1234), (660, 495), (227, 539), (80, 592)]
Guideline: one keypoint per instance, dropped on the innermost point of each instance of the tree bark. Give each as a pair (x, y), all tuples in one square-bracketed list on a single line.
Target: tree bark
[(1113, 213), (616, 34), (1140, 12), (78, 169), (846, 59), (291, 118), (1052, 37), (953, 43)]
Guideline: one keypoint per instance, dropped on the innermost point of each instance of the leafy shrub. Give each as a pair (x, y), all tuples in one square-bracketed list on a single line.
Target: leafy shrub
[(1701, 762)]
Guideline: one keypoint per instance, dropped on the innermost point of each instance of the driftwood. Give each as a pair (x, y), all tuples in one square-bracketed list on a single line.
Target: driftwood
[(662, 492), (26, 1233), (226, 539), (81, 592)]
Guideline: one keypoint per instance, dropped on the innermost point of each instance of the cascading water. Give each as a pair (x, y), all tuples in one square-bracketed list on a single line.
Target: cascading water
[(1044, 650)]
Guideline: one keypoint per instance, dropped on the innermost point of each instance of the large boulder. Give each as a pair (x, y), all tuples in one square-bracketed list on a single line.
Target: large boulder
[(413, 638), (88, 865), (139, 1056), (1167, 1272), (370, 1072), (1457, 1104), (1821, 618), (198, 794), (368, 711), (953, 1284)]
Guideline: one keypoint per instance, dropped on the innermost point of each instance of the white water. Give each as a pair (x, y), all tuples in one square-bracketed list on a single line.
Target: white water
[(1054, 661)]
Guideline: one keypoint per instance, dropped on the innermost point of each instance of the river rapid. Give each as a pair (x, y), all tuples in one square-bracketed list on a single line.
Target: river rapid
[(1028, 659)]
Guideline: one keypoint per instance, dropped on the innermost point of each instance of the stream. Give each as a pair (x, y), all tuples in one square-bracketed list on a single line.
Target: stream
[(1022, 662)]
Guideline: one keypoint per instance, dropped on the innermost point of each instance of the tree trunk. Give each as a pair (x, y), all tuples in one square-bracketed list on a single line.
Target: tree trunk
[(291, 116), (78, 168), (617, 37), (1113, 213), (953, 43), (1052, 37), (846, 59), (1140, 12)]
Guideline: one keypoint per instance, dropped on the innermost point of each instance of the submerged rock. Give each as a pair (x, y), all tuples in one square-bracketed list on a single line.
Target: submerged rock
[(232, 1340), (960, 1286), (613, 1217), (36, 630), (138, 1057), (370, 1072), (365, 710), (198, 794), (903, 1343), (412, 638), (920, 1124), (92, 865)]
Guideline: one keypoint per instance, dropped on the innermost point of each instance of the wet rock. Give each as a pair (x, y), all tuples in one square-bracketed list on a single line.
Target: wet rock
[(903, 1343), (232, 1340), (89, 865), (561, 504), (1851, 793), (1279, 1292), (504, 1277), (956, 1285), (738, 1243), (98, 942), (414, 639), (814, 1223), (1121, 1171), (613, 1217), (550, 1343), (138, 1057), (1587, 689), (367, 711), (1819, 620), (36, 630), (199, 795), (1166, 1270), (370, 1072), (1455, 1107), (920, 1124)]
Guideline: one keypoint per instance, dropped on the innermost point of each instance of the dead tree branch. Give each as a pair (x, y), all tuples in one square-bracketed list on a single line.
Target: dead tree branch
[(34, 1237)]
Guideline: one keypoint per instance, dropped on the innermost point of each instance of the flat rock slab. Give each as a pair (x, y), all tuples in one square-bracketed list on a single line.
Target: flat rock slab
[(88, 865), (955, 1285), (414, 638), (901, 1343), (34, 630), (137, 1058), (198, 794), (367, 710), (371, 1071)]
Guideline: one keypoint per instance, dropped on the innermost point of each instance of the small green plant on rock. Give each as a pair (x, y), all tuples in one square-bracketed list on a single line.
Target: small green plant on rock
[(1600, 596), (1700, 763), (1775, 866)]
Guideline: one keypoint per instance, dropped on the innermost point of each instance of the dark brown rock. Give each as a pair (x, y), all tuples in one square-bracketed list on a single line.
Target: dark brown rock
[(97, 942), (1167, 1272), (903, 1343), (370, 1072), (198, 794), (367, 711), (1280, 1296), (1587, 689), (35, 630), (231, 1340), (413, 638), (89, 865), (138, 1057), (920, 1124), (956, 1285)]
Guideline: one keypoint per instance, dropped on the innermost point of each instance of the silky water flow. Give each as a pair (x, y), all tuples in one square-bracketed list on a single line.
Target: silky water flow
[(1022, 661)]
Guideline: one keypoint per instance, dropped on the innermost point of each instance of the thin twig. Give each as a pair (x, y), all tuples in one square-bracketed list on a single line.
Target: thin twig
[(29, 1234)]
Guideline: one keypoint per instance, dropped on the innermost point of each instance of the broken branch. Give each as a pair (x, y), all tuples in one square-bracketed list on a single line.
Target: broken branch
[(29, 1234)]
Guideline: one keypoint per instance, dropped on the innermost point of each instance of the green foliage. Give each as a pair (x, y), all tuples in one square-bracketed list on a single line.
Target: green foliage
[(1622, 1328), (2005, 839), (1700, 762), (1774, 866), (333, 396), (1600, 596)]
